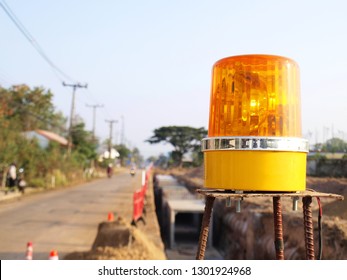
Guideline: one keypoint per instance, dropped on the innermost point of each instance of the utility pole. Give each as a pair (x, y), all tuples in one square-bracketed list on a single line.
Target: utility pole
[(111, 122), (72, 114), (94, 115)]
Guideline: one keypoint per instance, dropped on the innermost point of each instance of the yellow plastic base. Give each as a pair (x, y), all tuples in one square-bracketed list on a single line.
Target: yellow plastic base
[(255, 170)]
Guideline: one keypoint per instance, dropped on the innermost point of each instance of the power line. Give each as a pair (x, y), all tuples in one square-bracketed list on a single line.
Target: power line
[(23, 108), (56, 70), (5, 78), (92, 99), (32, 41)]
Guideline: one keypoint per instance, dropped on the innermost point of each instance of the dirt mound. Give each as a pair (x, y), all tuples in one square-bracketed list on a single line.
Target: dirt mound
[(113, 234), (119, 241), (331, 185)]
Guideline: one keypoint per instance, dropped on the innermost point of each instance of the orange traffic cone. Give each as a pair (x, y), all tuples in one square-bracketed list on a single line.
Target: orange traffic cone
[(29, 253), (110, 217), (54, 255)]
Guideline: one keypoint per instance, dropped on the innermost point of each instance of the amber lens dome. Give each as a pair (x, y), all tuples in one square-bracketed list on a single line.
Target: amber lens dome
[(255, 95)]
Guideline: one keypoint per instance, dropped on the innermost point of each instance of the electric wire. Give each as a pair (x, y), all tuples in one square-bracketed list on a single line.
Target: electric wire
[(3, 81), (5, 78), (33, 42), (23, 108), (38, 48), (105, 113), (92, 98)]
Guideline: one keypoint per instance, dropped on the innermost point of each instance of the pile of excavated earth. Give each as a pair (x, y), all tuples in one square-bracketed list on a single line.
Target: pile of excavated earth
[(121, 239)]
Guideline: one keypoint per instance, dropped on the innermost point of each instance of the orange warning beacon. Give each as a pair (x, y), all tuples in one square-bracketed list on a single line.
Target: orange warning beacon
[(254, 137)]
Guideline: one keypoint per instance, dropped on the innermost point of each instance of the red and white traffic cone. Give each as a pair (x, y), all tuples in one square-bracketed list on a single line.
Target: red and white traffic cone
[(110, 217), (29, 253), (53, 255)]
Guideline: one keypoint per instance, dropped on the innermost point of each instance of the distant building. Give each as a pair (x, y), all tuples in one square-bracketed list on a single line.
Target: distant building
[(104, 153)]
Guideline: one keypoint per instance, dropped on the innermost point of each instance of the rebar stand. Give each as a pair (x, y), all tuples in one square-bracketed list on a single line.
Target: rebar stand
[(308, 226), (278, 227), (277, 211), (200, 255)]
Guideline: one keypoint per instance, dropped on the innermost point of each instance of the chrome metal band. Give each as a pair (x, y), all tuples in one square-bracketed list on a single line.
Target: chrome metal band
[(255, 144)]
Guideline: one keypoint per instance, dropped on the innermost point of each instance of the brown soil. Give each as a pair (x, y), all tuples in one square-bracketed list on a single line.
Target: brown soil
[(122, 241), (334, 216), (194, 178)]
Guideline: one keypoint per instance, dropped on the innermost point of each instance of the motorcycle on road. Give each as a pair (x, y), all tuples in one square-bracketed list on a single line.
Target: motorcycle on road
[(21, 183)]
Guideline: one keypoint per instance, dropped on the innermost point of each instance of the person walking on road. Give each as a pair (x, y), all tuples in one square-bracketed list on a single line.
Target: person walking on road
[(12, 175)]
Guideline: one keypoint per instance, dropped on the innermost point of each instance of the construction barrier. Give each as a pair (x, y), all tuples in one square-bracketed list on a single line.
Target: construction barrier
[(147, 176), (139, 197), (110, 217), (53, 255), (138, 205), (29, 252)]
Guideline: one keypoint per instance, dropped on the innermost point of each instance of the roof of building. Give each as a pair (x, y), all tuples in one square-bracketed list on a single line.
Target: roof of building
[(53, 136), (44, 136)]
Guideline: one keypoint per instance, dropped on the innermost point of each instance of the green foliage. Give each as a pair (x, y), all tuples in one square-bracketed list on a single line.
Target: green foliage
[(184, 139), (31, 109), (198, 156), (24, 109), (124, 153), (317, 156), (83, 142), (37, 182), (335, 145)]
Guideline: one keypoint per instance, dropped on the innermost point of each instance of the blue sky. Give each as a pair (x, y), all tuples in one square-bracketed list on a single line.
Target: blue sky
[(150, 61)]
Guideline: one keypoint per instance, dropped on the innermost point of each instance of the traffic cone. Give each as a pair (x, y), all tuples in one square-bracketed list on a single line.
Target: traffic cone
[(110, 217), (54, 255), (29, 253)]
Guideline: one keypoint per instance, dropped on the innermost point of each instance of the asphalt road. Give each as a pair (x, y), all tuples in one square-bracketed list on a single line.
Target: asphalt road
[(66, 219)]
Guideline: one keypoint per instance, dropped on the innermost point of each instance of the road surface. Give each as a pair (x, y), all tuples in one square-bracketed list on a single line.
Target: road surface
[(66, 219)]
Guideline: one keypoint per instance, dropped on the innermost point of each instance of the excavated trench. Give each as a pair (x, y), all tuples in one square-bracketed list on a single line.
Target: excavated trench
[(250, 233), (187, 225)]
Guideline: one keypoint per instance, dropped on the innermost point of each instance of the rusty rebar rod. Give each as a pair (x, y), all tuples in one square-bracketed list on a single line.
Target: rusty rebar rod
[(308, 227), (278, 226), (200, 255)]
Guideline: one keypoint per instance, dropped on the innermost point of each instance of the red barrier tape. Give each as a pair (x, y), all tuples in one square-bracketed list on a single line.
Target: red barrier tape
[(138, 204), (139, 199)]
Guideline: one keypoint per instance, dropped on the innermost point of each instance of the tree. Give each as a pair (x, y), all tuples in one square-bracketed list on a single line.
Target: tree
[(83, 142), (32, 108), (184, 139), (23, 109), (124, 153), (335, 145)]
